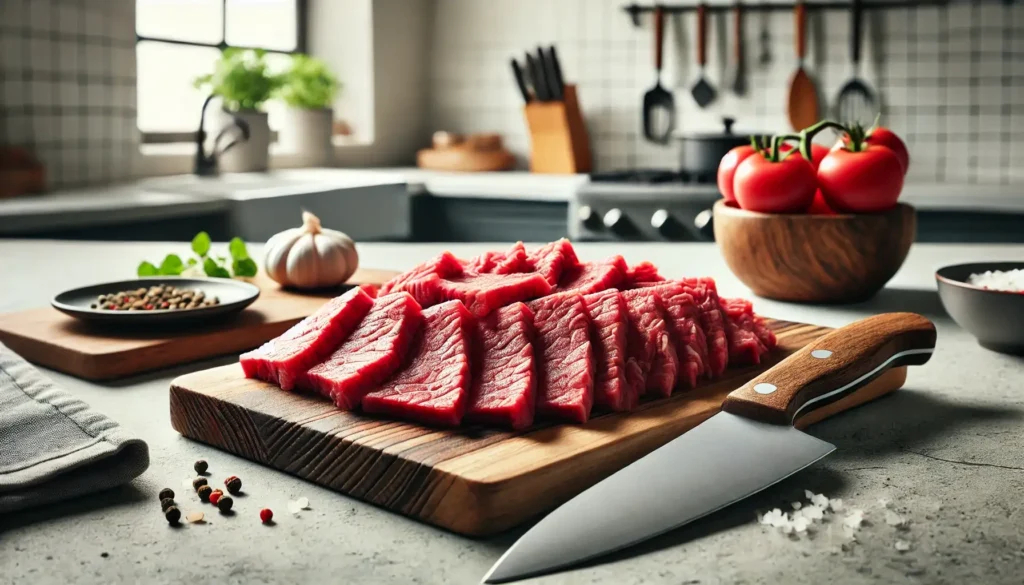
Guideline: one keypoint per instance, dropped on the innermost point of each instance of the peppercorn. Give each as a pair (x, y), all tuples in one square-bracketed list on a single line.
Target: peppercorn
[(166, 493), (215, 496), (204, 492), (224, 503), (201, 466), (166, 503), (198, 483), (233, 484), (173, 514), (266, 515)]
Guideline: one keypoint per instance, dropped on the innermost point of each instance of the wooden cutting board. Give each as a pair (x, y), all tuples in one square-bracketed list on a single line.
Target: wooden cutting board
[(471, 480), (96, 352)]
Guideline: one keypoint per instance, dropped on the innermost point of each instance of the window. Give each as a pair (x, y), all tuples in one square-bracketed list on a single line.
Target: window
[(179, 40)]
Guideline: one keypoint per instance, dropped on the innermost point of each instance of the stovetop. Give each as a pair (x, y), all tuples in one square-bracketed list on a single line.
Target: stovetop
[(652, 177)]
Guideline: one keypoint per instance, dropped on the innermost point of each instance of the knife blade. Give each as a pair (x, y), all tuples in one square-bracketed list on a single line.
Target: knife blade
[(552, 71), (536, 71), (517, 72), (753, 443)]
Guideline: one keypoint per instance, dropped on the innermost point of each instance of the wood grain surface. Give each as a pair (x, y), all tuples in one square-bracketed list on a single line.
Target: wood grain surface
[(97, 351), (814, 258), (472, 480)]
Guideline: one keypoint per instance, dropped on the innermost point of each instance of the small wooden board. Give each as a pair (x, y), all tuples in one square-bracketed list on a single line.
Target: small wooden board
[(471, 480), (98, 352)]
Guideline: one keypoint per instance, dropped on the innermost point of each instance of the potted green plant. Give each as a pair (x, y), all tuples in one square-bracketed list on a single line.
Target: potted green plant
[(309, 88), (242, 79)]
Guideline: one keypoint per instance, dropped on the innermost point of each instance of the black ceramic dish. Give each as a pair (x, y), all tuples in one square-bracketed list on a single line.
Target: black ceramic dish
[(234, 295), (995, 317)]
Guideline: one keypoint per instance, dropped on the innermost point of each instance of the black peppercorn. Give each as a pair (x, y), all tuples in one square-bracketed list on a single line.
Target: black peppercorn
[(173, 514), (198, 483), (224, 504), (204, 492), (201, 466), (166, 503), (166, 493), (233, 484)]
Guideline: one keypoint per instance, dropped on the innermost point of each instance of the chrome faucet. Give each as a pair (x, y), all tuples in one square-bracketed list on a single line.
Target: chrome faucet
[(206, 164)]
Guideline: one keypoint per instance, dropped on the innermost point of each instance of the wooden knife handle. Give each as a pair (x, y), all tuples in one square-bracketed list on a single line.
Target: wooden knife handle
[(659, 35), (737, 19), (801, 31), (702, 26), (833, 368)]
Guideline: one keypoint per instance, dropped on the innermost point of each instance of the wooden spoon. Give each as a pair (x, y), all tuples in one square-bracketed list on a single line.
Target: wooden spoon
[(803, 97)]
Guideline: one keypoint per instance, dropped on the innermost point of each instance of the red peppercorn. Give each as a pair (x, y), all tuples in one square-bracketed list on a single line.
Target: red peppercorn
[(266, 515), (149, 307), (215, 496)]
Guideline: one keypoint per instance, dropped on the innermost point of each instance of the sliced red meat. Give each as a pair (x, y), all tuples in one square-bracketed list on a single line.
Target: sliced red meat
[(433, 387), (684, 324), (749, 337), (642, 274), (649, 343), (444, 265), (504, 378), (483, 293), (286, 358), (565, 361), (550, 260), (510, 262), (373, 352), (370, 289), (608, 332), (705, 293), (591, 277)]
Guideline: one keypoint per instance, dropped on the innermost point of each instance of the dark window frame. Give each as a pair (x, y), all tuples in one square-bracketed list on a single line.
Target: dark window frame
[(301, 10)]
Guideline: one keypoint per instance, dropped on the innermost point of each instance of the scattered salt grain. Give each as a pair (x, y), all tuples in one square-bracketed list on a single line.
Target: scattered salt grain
[(819, 500), (854, 519), (894, 519), (303, 503), (883, 502), (797, 505), (801, 524), (901, 545), (813, 512), (836, 505), (1010, 280)]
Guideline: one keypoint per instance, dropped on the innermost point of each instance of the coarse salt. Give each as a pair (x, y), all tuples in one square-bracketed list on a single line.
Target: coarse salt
[(1009, 280), (901, 545)]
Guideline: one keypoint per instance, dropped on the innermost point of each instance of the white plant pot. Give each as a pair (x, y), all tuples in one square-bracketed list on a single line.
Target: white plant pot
[(253, 155), (307, 134)]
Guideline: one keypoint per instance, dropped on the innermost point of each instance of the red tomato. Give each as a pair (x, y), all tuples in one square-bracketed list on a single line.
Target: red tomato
[(818, 151), (770, 187), (887, 138), (819, 206), (861, 182), (727, 169)]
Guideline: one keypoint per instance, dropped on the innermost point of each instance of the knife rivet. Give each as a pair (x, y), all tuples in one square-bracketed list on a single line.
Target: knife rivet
[(821, 354), (765, 388)]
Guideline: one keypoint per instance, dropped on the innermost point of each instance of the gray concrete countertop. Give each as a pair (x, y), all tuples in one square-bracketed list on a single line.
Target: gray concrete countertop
[(947, 450)]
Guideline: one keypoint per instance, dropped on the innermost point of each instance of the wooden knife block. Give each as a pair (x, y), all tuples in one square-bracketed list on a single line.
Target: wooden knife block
[(559, 142)]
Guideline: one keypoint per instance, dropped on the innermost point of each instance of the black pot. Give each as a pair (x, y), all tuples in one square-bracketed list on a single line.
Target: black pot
[(701, 153)]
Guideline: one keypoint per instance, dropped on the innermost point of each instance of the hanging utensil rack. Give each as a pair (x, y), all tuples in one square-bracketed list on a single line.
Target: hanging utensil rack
[(635, 10)]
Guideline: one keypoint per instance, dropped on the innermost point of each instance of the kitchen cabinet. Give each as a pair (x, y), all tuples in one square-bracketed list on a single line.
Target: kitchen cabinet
[(484, 219)]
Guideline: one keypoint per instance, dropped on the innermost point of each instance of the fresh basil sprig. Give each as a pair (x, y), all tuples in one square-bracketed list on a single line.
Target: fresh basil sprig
[(213, 266)]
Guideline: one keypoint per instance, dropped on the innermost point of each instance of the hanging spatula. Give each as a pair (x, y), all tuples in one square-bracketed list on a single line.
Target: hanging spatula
[(702, 91), (739, 71), (856, 101), (659, 109)]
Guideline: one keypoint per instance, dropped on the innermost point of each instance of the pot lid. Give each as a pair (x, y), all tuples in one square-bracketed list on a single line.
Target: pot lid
[(728, 134)]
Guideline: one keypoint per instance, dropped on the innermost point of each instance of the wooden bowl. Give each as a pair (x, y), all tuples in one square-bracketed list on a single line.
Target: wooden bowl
[(814, 258)]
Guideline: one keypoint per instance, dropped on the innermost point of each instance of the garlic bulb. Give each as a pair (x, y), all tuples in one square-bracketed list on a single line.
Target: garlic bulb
[(310, 256)]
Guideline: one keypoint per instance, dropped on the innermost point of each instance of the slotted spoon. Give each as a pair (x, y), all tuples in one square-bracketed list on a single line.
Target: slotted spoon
[(659, 109), (702, 91), (856, 101)]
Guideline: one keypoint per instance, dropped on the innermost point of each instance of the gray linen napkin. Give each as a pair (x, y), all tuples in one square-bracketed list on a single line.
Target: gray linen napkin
[(52, 446)]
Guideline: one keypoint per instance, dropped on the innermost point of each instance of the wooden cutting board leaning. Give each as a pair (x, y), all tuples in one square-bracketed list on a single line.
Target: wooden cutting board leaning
[(469, 480), (52, 339)]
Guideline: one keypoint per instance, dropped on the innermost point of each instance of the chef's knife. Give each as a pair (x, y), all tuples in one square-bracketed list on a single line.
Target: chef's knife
[(517, 72), (536, 71), (553, 71), (751, 444)]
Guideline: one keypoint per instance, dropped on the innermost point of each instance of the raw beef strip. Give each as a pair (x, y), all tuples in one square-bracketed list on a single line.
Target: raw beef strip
[(749, 337), (642, 274), (591, 277), (373, 352), (434, 387), (504, 376), (565, 361), (550, 260), (515, 260), (482, 293), (684, 324), (705, 293), (370, 289), (287, 357), (649, 333), (608, 331), (445, 265)]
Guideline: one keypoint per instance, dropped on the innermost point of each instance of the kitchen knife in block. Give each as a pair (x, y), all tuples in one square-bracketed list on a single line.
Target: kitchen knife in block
[(752, 444)]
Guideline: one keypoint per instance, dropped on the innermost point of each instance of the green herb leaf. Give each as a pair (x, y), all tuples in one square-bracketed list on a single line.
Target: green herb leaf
[(147, 269), (211, 268), (192, 261), (201, 244), (244, 267), (237, 248), (171, 266)]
